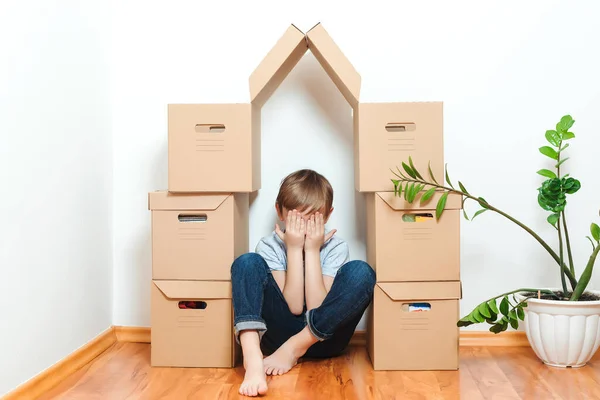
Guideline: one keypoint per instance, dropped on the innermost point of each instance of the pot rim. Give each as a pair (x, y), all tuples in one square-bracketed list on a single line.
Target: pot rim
[(562, 302)]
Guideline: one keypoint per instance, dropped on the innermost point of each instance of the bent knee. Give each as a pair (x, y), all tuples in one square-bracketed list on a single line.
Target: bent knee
[(247, 261), (361, 272)]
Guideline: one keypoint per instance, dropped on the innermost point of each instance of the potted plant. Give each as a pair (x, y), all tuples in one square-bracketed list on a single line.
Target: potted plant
[(562, 325)]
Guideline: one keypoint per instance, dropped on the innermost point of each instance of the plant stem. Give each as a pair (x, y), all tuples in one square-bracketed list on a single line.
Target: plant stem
[(546, 291), (571, 265), (585, 276), (560, 244), (541, 241)]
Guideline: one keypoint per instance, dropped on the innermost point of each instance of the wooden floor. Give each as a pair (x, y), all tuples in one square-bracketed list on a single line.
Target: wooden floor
[(124, 372)]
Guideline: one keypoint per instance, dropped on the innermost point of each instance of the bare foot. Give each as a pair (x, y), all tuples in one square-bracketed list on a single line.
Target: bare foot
[(255, 380), (286, 357)]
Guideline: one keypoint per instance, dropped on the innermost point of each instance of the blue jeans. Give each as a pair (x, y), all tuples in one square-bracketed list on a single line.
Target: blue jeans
[(258, 304)]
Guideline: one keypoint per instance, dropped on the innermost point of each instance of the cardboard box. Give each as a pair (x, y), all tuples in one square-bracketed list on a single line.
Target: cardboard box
[(192, 337), (197, 236), (412, 326), (214, 148), (405, 242), (386, 134)]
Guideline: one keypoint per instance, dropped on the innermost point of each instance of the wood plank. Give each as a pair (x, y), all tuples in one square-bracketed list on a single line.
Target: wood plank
[(488, 376), (137, 334), (132, 334), (487, 338), (53, 376)]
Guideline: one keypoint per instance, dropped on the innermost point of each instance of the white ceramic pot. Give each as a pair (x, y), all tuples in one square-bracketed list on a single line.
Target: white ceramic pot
[(563, 333)]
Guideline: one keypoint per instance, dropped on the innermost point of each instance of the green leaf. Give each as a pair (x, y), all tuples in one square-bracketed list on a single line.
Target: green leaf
[(514, 323), (401, 174), (399, 190), (448, 178), (418, 175), (407, 190), (595, 229), (592, 242), (431, 173), (484, 310), (565, 124), (496, 328), (521, 313), (477, 316), (479, 212), (493, 307), (561, 162), (483, 203), (464, 322), (465, 214), (409, 170), (567, 135), (553, 138), (549, 152), (565, 146), (504, 305), (439, 209), (462, 187), (553, 219), (427, 195), (547, 173)]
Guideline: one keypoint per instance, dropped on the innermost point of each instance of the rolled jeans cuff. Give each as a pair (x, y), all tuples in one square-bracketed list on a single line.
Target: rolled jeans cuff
[(258, 326), (315, 332)]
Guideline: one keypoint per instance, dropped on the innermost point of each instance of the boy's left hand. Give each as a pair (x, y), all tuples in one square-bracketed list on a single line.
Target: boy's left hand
[(315, 233)]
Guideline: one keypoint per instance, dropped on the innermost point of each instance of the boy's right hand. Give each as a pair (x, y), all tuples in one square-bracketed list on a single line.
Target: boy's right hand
[(295, 230)]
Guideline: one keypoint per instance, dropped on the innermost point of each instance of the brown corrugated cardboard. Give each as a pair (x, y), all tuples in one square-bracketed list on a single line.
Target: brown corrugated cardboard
[(276, 65), (197, 236), (406, 243), (201, 337), (412, 326), (335, 63), (386, 134), (214, 148)]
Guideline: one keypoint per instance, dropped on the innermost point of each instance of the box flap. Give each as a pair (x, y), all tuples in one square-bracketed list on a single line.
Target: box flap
[(190, 290), (422, 290), (277, 64), (335, 63), (454, 201), (163, 200)]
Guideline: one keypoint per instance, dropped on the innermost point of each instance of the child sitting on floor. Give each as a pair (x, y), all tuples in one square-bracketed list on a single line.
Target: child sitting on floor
[(297, 295)]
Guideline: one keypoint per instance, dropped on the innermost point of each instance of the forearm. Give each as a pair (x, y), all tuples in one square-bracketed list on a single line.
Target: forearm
[(314, 285), (293, 290)]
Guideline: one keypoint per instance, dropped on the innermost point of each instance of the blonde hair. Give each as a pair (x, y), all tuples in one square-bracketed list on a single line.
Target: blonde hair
[(305, 190)]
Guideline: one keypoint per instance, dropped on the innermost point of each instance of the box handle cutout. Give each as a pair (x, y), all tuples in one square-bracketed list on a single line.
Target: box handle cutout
[(416, 307), (192, 217), (210, 128), (421, 217), (192, 305), (401, 127)]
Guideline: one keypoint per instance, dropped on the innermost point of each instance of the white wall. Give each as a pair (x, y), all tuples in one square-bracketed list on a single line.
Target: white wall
[(56, 176), (505, 72)]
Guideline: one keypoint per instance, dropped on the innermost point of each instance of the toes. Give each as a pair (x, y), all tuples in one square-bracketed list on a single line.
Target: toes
[(262, 388)]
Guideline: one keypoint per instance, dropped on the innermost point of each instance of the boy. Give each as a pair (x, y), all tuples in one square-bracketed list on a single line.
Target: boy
[(297, 294)]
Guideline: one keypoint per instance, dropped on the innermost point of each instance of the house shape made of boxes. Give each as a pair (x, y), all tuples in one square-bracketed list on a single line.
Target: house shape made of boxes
[(200, 225)]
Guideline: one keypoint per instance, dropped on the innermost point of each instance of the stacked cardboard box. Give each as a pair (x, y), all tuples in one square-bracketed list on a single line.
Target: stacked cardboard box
[(201, 224)]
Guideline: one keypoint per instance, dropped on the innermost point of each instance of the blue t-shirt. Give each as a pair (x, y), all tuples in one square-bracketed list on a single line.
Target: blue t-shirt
[(334, 254)]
